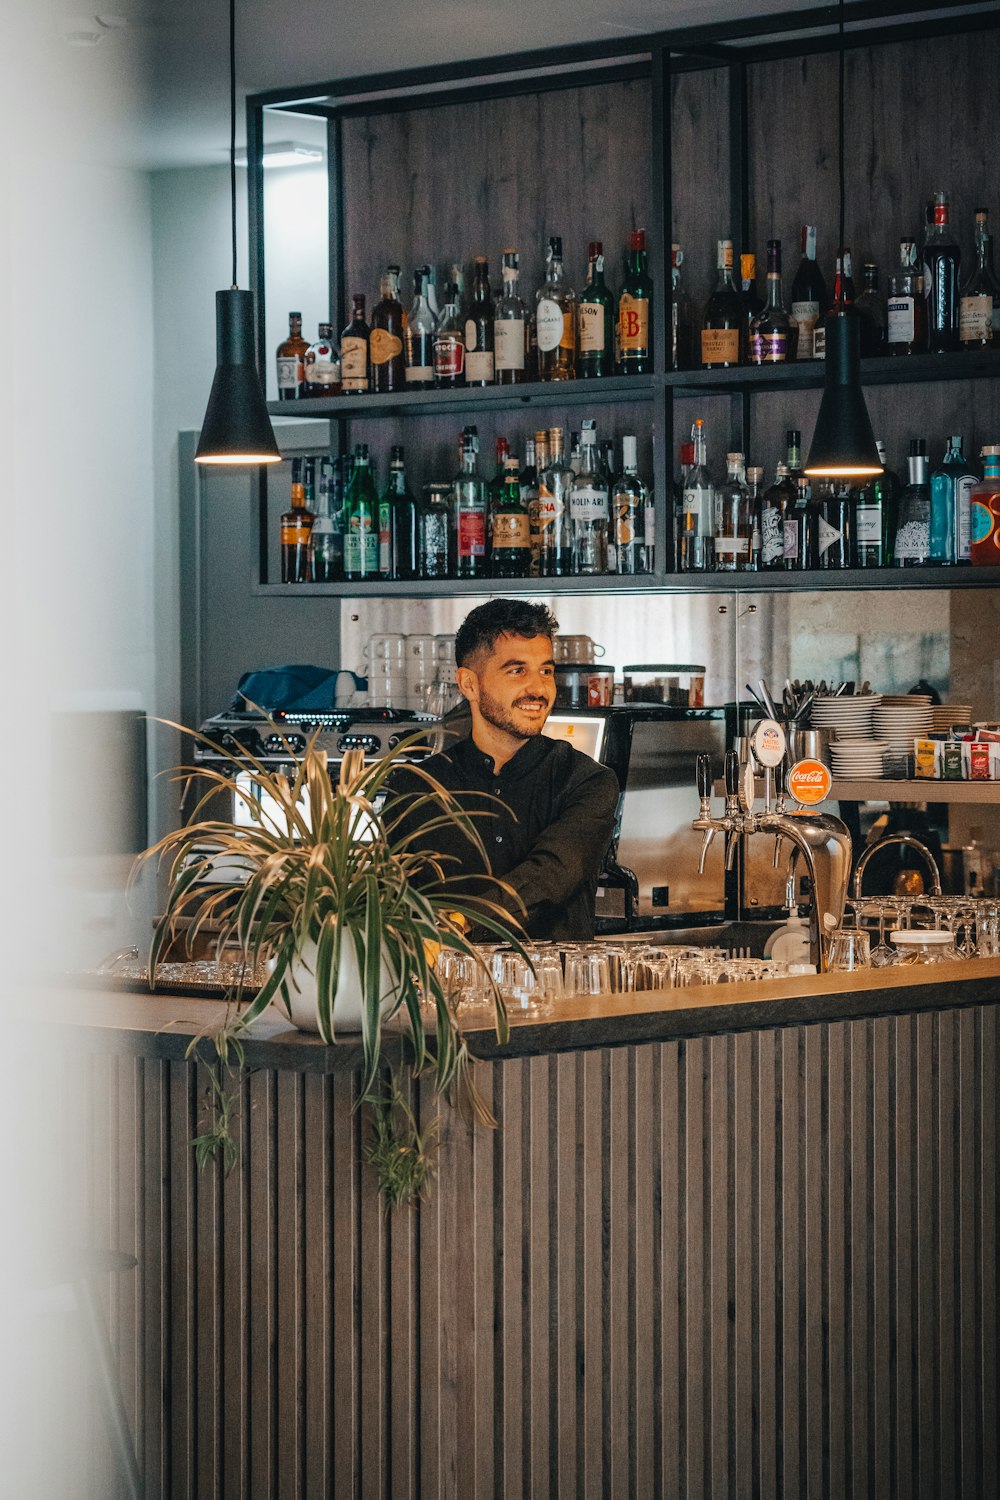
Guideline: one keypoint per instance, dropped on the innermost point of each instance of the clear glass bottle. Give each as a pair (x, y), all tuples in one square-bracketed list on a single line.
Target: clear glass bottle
[(777, 503), (555, 319), (385, 342), (327, 536), (722, 328), (979, 307), (800, 530), (418, 336), (680, 314), (843, 296), (290, 360), (871, 308), (631, 548), (509, 325), (470, 505), (361, 515), (755, 479), (875, 517), (510, 549), (531, 479), (449, 342), (942, 261), (696, 523), (589, 507), (354, 349), (769, 332), (322, 365), (555, 523), (906, 319), (733, 519), (833, 504), (809, 299), (296, 532), (952, 483), (479, 327), (634, 337), (436, 537), (398, 524), (595, 320), (913, 534)]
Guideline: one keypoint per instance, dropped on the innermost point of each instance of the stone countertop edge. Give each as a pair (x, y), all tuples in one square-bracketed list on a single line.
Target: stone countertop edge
[(133, 1020)]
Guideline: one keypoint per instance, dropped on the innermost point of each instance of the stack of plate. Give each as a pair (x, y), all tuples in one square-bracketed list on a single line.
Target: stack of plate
[(944, 715), (857, 760), (848, 717), (902, 719)]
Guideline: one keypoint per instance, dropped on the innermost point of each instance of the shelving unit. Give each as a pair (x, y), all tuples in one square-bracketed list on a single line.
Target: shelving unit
[(981, 793)]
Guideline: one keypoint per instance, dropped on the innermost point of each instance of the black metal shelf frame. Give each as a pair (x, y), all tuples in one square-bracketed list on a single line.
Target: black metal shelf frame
[(733, 45)]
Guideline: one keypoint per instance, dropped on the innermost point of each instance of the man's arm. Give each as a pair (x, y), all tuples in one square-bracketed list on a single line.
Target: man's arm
[(570, 851)]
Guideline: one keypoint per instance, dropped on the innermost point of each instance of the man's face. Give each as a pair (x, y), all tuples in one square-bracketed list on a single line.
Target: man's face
[(514, 687)]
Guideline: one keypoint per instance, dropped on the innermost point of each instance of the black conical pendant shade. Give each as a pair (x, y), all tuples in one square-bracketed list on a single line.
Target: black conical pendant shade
[(843, 444), (237, 428)]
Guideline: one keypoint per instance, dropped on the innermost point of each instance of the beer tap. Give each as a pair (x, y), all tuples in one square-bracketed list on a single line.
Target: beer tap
[(705, 822)]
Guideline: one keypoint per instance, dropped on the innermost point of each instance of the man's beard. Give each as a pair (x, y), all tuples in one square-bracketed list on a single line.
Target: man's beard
[(500, 717)]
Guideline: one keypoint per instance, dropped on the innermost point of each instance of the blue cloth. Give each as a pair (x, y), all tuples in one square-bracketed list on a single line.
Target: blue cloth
[(289, 689)]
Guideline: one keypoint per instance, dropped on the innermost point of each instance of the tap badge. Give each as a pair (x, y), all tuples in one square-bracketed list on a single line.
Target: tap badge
[(810, 782)]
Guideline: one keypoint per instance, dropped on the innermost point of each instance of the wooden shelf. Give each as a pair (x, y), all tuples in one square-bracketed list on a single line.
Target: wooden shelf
[(423, 402), (981, 792)]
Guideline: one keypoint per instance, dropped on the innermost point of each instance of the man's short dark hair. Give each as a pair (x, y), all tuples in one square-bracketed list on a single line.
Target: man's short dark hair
[(483, 627)]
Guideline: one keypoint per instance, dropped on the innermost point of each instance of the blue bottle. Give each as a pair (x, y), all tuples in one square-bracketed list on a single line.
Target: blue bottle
[(951, 485)]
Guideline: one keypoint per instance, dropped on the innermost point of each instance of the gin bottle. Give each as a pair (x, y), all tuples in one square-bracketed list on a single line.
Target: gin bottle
[(952, 483), (913, 535), (589, 507)]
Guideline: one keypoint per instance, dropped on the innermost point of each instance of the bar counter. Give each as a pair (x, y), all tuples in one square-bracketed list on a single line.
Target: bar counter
[(727, 1242)]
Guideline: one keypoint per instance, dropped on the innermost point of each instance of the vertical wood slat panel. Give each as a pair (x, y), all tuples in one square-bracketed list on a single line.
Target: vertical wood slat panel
[(616, 1276), (318, 1128), (640, 1272), (346, 1271), (259, 1130), (537, 1286), (181, 1271), (693, 1295), (987, 1193), (239, 1296), (590, 1303), (566, 1279)]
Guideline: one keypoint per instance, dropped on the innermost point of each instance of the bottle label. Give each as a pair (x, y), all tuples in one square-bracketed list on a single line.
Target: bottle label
[(720, 346), (471, 533), (449, 355), (384, 548), (819, 341), (479, 365), (590, 322), (511, 530), (768, 348), (384, 346), (805, 316), (354, 363), (736, 546), (548, 325), (790, 550), (649, 525), (623, 509), (900, 324), (508, 342), (361, 546), (868, 524), (963, 517), (295, 535), (419, 349), (420, 374), (588, 503), (322, 372), (982, 521), (699, 506), (826, 535), (551, 508), (975, 324), (633, 324), (470, 335), (772, 539), (289, 373), (913, 541)]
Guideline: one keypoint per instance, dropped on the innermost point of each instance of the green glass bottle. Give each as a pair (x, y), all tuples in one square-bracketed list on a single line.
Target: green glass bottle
[(510, 553), (398, 524), (595, 320), (635, 310), (361, 515)]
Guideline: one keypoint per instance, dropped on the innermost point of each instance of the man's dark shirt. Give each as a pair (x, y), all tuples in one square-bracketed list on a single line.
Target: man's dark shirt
[(547, 840)]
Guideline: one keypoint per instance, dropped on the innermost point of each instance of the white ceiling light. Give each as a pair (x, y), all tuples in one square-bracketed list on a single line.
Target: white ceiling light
[(285, 154)]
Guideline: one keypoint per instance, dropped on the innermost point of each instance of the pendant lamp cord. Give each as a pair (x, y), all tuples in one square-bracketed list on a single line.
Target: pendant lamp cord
[(232, 128), (840, 121)]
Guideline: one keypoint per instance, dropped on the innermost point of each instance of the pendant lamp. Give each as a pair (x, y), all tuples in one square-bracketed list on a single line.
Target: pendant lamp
[(237, 428), (843, 445)]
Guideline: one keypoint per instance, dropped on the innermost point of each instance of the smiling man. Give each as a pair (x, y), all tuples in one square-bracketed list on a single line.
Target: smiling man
[(548, 809)]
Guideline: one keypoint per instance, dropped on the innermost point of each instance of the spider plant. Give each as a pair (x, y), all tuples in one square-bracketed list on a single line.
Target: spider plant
[(314, 868)]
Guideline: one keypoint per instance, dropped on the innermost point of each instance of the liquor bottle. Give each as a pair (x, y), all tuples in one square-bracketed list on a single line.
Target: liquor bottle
[(479, 327), (354, 348), (755, 478), (800, 530), (871, 311), (913, 534), (509, 326), (432, 296), (723, 323), (631, 547), (589, 507), (776, 506), (680, 315), (696, 523), (496, 487), (941, 267), (398, 524), (296, 533), (290, 359), (833, 504), (635, 310), (574, 452), (843, 296), (418, 335), (555, 523), (470, 501), (979, 308), (385, 342), (322, 365), (449, 342), (793, 454), (770, 328), (361, 540), (809, 298), (985, 509), (595, 320), (436, 542), (531, 478), (952, 483), (510, 553), (555, 319), (607, 452), (906, 322), (529, 472), (753, 303), (875, 517), (327, 532), (733, 521)]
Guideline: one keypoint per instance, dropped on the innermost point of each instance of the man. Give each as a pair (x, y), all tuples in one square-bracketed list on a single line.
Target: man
[(547, 835)]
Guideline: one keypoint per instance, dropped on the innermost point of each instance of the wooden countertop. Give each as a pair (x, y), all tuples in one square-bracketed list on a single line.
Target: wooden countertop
[(159, 1025)]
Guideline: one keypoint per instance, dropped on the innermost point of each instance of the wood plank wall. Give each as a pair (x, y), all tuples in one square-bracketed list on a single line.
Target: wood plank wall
[(748, 1265)]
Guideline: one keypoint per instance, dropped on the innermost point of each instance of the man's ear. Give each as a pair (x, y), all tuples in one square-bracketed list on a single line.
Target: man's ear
[(468, 683)]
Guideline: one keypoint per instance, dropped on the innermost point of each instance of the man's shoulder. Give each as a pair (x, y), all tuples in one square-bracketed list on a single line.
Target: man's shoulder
[(577, 765)]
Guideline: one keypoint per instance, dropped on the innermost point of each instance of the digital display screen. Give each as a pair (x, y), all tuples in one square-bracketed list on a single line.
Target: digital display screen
[(584, 734)]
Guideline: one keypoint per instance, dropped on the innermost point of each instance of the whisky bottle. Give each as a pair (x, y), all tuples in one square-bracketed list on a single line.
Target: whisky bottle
[(770, 328), (595, 320), (979, 308), (296, 533), (733, 519), (385, 343), (722, 325), (509, 326), (449, 342), (631, 549), (398, 524), (555, 525), (418, 335), (555, 319), (469, 510), (354, 349), (322, 365), (809, 299), (635, 310), (479, 343), (589, 507), (361, 521), (290, 360), (510, 552)]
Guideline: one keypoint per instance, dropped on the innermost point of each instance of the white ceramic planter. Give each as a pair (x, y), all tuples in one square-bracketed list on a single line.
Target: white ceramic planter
[(299, 991)]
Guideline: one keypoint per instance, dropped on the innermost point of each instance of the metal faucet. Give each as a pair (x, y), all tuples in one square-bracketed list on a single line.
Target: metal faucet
[(824, 841), (911, 843)]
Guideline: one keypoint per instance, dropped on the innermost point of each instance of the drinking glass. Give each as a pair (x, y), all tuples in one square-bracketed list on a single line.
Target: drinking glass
[(849, 948), (587, 972)]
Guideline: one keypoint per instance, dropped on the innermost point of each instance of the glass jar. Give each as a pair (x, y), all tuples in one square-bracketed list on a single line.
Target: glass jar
[(916, 947)]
